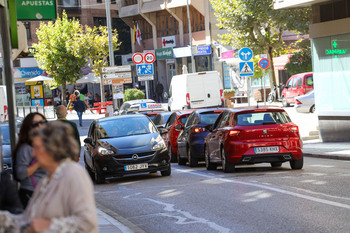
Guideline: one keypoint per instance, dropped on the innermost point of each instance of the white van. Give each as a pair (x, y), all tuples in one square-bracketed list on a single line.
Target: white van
[(196, 90)]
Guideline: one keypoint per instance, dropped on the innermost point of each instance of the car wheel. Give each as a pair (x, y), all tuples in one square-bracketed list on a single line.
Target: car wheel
[(297, 164), (270, 99), (227, 167), (180, 160), (99, 178), (208, 164), (284, 102), (276, 164), (312, 109), (91, 174), (166, 172), (193, 162), (172, 155)]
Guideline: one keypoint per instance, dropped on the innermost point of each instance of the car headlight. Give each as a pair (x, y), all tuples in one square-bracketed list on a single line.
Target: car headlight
[(159, 146), (104, 151)]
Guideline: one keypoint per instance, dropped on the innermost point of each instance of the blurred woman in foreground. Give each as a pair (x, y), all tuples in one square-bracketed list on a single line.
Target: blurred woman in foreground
[(64, 199)]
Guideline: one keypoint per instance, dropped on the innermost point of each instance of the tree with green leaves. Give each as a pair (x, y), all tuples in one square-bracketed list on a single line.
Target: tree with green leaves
[(133, 94), (300, 61), (255, 24), (65, 46)]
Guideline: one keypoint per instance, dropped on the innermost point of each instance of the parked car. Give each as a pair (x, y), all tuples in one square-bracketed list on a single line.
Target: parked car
[(306, 103), (253, 135), (196, 90), (297, 85), (125, 144), (190, 143), (170, 138), (131, 104), (5, 142), (161, 118)]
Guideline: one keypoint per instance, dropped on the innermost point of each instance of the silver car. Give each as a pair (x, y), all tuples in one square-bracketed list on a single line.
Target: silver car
[(305, 103)]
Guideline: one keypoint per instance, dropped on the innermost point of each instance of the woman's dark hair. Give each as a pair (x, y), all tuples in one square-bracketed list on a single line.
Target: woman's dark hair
[(26, 127), (58, 140)]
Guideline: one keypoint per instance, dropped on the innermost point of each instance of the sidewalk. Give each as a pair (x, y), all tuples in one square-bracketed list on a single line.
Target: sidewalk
[(109, 222)]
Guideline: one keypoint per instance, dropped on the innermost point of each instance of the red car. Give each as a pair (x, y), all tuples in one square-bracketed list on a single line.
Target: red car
[(297, 85), (253, 135), (170, 138)]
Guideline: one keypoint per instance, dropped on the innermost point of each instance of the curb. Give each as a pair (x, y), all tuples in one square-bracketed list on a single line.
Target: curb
[(336, 157), (126, 224)]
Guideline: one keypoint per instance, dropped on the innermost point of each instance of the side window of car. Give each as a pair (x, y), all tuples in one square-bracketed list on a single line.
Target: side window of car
[(92, 132), (156, 119), (218, 121), (190, 119), (289, 84), (295, 80), (224, 120), (309, 81), (299, 82), (171, 120)]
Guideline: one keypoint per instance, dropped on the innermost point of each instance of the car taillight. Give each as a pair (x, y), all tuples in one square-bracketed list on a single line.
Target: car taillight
[(188, 98), (294, 129), (298, 102), (198, 129), (222, 94), (233, 132)]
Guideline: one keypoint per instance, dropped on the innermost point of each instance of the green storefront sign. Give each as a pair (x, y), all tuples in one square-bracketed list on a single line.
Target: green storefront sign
[(36, 9), (166, 53)]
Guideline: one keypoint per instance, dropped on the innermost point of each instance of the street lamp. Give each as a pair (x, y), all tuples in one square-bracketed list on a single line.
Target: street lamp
[(190, 38)]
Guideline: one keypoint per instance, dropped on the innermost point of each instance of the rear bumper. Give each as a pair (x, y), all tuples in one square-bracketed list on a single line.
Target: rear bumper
[(243, 153)]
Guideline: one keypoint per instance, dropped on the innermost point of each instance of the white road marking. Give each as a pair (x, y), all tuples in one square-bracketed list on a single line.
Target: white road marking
[(278, 190), (182, 217)]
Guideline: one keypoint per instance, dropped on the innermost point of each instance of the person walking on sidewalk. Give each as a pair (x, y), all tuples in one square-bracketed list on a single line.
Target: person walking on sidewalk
[(64, 199), (26, 169), (80, 107), (61, 112)]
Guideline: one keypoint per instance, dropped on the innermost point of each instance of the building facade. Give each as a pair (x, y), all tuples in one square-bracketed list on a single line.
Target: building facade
[(330, 41)]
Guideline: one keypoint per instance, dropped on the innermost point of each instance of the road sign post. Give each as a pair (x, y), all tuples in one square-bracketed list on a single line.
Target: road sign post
[(264, 63)]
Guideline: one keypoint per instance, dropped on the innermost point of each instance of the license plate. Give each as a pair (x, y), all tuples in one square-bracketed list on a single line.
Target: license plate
[(135, 167), (269, 149)]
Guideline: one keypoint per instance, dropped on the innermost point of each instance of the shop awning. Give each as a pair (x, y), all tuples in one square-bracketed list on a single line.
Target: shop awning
[(89, 79), (37, 79), (281, 61)]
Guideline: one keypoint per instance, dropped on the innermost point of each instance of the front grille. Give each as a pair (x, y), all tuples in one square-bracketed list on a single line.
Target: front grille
[(130, 158)]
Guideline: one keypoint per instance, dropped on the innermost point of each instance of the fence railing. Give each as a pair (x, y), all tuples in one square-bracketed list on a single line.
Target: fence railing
[(47, 111)]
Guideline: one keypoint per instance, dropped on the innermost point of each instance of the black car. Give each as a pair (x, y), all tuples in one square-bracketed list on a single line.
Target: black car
[(125, 144), (190, 143)]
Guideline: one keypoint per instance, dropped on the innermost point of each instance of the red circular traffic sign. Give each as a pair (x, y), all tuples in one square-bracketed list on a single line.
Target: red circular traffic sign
[(137, 58), (150, 57), (264, 63)]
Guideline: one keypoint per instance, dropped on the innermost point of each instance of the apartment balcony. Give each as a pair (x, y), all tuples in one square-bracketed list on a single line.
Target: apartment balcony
[(70, 6), (128, 8)]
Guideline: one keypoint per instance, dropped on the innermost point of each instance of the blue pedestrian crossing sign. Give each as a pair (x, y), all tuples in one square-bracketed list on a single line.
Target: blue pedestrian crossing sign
[(245, 54), (246, 68), (144, 69)]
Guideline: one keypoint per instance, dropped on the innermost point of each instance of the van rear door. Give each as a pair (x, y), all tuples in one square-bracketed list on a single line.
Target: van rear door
[(212, 87), (195, 90)]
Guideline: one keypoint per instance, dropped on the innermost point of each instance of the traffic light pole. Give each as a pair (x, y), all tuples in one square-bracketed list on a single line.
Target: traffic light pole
[(7, 56)]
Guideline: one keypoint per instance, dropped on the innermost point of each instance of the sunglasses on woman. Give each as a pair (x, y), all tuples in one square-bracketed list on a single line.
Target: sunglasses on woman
[(37, 123)]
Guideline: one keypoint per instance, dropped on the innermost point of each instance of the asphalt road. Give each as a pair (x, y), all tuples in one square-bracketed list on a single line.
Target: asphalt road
[(253, 199)]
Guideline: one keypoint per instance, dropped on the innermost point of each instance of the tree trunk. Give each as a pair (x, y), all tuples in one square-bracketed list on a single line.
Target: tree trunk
[(271, 68), (63, 96)]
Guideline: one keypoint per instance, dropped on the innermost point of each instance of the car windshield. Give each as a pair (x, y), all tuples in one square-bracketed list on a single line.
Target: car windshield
[(208, 118), (161, 119), (125, 127), (262, 118), (5, 134)]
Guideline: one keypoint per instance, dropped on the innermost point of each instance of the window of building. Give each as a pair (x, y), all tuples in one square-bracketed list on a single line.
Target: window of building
[(99, 1), (100, 21), (335, 10)]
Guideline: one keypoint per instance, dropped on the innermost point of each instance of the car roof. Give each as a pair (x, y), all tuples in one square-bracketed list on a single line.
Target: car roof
[(185, 112), (140, 101), (209, 110), (255, 109), (111, 118), (301, 74)]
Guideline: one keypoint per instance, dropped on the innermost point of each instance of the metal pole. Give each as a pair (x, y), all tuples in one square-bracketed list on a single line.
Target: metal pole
[(264, 88), (110, 38), (146, 84), (7, 55), (190, 38)]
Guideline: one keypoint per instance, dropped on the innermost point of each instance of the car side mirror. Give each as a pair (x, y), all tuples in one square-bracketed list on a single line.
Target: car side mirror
[(88, 140), (179, 127), (162, 130), (209, 128)]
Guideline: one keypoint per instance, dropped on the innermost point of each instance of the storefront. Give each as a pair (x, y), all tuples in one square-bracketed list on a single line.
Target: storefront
[(164, 68), (40, 91)]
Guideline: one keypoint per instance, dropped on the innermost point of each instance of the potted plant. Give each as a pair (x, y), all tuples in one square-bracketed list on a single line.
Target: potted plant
[(228, 93)]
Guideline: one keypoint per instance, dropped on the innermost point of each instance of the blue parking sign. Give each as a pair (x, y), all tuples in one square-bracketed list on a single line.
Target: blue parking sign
[(144, 69)]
